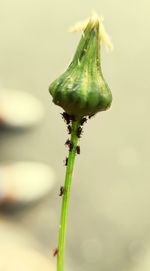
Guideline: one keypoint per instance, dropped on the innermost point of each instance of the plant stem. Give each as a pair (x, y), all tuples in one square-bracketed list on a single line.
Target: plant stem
[(66, 196)]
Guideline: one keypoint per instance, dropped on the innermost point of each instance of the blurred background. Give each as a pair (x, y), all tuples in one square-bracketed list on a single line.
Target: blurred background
[(109, 218)]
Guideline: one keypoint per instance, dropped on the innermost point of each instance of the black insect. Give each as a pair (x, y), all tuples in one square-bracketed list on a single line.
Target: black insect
[(66, 117), (69, 129), (61, 193), (84, 120), (79, 132), (91, 116), (69, 144), (55, 252), (78, 149), (66, 161)]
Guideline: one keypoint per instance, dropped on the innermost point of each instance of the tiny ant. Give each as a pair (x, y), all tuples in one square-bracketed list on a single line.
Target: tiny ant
[(55, 252), (69, 129), (61, 193), (78, 149), (84, 120), (79, 132)]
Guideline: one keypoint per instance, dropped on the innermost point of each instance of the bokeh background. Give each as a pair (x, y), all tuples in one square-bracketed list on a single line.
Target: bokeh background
[(109, 218)]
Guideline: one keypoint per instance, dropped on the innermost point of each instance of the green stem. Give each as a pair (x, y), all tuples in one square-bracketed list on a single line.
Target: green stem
[(66, 196)]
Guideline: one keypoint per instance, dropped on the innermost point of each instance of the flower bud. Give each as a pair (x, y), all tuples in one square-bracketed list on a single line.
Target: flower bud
[(82, 90)]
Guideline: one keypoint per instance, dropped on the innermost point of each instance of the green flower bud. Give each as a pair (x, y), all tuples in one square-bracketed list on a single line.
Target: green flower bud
[(82, 90)]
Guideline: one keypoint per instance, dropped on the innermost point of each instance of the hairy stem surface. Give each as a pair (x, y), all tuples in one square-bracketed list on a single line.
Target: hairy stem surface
[(66, 196)]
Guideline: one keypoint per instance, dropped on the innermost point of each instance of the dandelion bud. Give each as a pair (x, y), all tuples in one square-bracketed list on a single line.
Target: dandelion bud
[(82, 90)]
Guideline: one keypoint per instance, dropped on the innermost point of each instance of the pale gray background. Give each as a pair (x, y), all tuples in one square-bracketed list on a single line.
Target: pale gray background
[(109, 218)]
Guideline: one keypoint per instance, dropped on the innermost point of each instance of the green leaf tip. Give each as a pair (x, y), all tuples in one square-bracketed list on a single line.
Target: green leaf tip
[(82, 90)]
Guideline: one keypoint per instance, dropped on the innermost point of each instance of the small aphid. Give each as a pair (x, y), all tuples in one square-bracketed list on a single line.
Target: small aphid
[(69, 129), (79, 132), (55, 252), (78, 149), (67, 143), (70, 146), (66, 117), (66, 161), (84, 120), (91, 116), (61, 193)]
